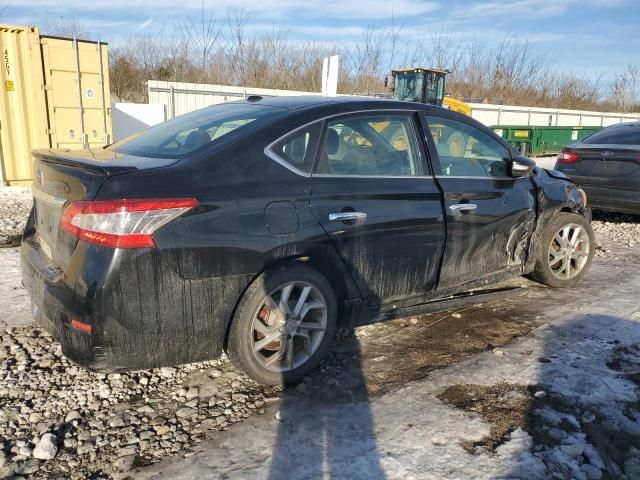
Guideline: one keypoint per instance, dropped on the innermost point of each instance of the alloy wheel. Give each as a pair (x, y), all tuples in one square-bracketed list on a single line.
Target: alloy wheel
[(569, 251), (288, 326)]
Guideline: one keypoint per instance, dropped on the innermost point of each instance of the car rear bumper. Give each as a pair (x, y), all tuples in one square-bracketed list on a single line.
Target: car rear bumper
[(52, 304), (613, 199), (162, 333)]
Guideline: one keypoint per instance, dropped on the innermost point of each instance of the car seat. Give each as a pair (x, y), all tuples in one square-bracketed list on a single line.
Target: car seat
[(329, 147)]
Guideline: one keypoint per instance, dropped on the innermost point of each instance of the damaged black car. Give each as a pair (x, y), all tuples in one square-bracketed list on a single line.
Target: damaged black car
[(258, 227)]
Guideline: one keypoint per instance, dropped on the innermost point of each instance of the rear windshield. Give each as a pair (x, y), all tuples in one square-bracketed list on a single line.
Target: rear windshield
[(190, 132), (618, 135)]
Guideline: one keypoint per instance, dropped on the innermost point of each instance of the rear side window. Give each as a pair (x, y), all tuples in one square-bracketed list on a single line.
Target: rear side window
[(618, 135), (187, 133), (376, 145), (298, 149)]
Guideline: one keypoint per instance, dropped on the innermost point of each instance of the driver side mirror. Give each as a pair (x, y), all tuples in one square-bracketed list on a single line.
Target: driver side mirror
[(522, 166)]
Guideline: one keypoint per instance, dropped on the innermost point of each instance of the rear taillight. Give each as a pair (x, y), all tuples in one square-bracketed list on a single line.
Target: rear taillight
[(567, 157), (122, 223)]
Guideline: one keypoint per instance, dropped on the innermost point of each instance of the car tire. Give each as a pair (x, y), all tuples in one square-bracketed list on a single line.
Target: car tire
[(262, 315), (559, 265)]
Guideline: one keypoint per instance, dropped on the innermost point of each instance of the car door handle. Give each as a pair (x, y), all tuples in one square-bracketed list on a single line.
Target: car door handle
[(346, 216), (458, 208)]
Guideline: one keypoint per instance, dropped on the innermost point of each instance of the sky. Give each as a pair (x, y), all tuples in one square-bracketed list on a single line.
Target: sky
[(589, 37)]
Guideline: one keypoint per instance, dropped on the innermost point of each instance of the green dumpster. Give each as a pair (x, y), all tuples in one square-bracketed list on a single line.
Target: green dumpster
[(535, 140)]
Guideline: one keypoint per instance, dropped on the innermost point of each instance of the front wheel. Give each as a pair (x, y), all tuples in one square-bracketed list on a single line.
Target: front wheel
[(284, 325), (566, 251)]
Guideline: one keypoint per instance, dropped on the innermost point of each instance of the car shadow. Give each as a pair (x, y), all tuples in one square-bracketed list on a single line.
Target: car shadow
[(326, 427)]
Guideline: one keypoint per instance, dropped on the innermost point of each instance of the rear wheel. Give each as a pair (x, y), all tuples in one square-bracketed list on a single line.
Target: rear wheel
[(284, 325), (566, 252)]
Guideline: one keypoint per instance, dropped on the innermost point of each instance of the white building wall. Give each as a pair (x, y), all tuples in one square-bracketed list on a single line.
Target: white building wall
[(130, 118)]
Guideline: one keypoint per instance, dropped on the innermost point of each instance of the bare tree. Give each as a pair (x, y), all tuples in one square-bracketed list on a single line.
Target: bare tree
[(201, 37), (204, 50), (67, 27), (624, 89)]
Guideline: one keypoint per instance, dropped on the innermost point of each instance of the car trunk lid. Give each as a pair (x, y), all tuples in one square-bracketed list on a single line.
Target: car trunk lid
[(605, 165), (63, 176)]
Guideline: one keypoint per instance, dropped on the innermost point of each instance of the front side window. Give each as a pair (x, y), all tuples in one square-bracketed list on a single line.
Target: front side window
[(377, 145), (298, 149), (465, 151), (187, 133)]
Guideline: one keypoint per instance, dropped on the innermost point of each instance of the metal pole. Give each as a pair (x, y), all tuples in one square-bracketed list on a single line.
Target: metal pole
[(82, 134), (172, 101), (105, 137)]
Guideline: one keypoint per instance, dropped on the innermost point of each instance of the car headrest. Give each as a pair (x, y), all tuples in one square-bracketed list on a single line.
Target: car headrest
[(332, 141), (196, 139)]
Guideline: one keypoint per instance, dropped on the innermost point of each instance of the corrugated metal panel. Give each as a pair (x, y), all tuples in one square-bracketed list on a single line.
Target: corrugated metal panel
[(23, 118), (490, 114), (78, 110), (54, 92), (180, 98)]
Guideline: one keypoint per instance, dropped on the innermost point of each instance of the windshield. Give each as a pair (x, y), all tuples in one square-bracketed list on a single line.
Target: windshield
[(408, 86), (190, 132)]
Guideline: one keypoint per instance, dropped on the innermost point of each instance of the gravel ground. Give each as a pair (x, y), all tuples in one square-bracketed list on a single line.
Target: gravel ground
[(61, 421), (15, 204), (614, 230)]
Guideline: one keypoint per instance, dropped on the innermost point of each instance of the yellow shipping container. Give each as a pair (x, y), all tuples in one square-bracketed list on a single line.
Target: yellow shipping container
[(54, 93)]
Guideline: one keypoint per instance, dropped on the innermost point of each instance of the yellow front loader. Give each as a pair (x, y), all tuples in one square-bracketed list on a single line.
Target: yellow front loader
[(425, 85)]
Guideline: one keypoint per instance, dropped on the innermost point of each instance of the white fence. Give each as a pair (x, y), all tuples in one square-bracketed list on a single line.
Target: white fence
[(512, 115), (180, 98)]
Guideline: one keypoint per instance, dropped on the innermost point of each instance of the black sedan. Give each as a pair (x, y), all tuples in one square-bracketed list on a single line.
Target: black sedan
[(256, 227), (607, 166)]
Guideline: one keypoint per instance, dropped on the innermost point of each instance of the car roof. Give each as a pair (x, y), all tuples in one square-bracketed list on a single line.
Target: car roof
[(624, 125), (298, 102)]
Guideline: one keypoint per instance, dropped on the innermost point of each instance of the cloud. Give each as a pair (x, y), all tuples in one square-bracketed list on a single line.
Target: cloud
[(145, 24), (524, 8), (339, 9), (531, 8)]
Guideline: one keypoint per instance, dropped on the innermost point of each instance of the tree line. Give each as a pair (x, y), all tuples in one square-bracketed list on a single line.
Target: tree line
[(224, 51)]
